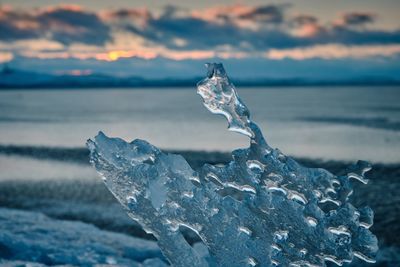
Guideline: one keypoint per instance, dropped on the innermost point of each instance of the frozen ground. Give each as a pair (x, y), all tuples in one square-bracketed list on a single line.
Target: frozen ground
[(344, 124), (72, 192), (34, 237)]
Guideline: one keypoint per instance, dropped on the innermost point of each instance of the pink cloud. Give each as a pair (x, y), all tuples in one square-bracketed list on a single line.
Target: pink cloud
[(225, 31), (334, 51)]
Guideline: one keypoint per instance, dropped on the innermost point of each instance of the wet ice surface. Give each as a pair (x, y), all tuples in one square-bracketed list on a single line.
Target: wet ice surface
[(261, 209)]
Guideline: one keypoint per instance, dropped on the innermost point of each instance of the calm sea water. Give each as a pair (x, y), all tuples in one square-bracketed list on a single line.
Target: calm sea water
[(340, 123)]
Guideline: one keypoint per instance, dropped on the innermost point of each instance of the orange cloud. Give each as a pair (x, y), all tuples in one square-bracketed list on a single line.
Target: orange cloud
[(66, 24), (114, 55), (6, 57), (70, 7), (243, 16), (181, 55), (117, 54), (216, 13), (228, 31), (334, 51)]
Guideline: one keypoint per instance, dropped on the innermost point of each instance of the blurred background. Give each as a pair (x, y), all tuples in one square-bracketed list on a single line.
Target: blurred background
[(321, 78)]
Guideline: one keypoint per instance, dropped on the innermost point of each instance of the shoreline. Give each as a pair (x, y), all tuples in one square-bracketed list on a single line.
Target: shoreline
[(195, 158), (85, 199)]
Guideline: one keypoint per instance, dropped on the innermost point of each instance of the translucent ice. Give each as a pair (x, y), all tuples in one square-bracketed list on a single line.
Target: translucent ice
[(261, 209)]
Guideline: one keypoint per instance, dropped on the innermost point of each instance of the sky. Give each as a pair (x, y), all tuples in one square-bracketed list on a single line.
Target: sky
[(310, 39)]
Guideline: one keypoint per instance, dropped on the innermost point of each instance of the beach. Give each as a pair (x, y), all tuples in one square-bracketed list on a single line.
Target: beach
[(46, 178), (199, 133), (86, 199)]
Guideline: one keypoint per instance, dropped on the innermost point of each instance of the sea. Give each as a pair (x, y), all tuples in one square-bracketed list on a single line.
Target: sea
[(330, 123)]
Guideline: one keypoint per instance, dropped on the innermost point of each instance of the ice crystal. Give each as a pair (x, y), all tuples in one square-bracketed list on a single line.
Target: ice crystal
[(261, 209)]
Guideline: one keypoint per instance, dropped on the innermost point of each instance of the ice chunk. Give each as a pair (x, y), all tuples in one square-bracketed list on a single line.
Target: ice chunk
[(219, 96), (261, 209)]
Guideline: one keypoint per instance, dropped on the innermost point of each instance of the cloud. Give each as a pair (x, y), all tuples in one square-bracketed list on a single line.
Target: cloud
[(334, 51), (237, 26), (227, 31), (195, 33), (259, 28), (242, 68), (302, 20), (126, 16), (16, 25), (6, 57), (265, 14), (64, 24), (243, 15), (128, 13), (356, 19)]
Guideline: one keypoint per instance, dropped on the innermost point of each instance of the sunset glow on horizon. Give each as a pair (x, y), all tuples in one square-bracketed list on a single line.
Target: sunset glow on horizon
[(237, 31)]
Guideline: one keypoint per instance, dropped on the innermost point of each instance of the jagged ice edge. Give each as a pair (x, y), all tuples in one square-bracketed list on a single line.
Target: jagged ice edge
[(263, 208)]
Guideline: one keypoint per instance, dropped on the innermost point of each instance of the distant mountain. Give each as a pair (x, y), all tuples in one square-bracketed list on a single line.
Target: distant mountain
[(12, 78), (19, 79), (16, 78)]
